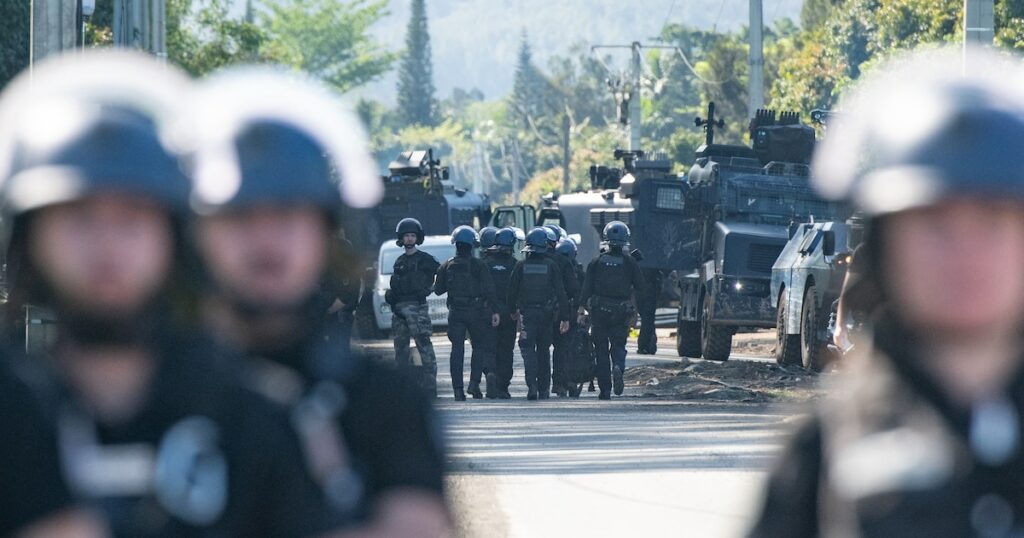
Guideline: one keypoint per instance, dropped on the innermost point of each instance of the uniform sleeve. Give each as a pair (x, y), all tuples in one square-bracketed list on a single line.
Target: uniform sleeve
[(441, 279), (636, 277), (487, 286), (560, 296), (349, 292), (572, 288), (408, 451), (393, 282), (790, 506), (514, 282), (588, 284), (31, 487), (430, 267)]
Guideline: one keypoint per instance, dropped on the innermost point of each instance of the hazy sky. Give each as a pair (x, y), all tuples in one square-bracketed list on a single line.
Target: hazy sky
[(475, 42)]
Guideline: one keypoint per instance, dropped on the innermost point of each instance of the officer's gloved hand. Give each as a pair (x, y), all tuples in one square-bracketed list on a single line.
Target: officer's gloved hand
[(637, 255), (563, 327)]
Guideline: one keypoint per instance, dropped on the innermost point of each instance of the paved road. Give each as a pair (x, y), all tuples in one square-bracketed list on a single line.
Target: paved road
[(630, 467)]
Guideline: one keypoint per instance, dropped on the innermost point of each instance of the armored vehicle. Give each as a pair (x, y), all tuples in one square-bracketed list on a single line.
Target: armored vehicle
[(738, 206)]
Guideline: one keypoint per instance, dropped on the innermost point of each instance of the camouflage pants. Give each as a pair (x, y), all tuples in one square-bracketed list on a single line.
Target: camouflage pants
[(412, 320)]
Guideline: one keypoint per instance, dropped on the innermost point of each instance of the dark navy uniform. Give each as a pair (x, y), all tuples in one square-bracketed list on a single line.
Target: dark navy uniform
[(501, 265), (537, 293), (471, 304), (561, 342), (610, 281)]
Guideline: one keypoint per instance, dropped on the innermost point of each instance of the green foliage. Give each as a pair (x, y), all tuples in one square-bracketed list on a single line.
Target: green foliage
[(14, 39), (327, 38), (415, 78)]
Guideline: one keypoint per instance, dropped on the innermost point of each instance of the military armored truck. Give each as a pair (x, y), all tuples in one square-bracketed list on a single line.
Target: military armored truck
[(806, 280), (738, 205)]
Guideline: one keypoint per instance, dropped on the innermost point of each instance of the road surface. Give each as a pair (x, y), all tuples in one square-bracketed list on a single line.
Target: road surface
[(629, 467)]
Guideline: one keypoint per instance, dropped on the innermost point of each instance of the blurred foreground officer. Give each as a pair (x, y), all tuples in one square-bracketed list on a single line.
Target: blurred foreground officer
[(35, 498), (267, 214), (925, 437), (535, 292), (412, 281), (501, 262), (471, 308), (611, 280), (152, 430)]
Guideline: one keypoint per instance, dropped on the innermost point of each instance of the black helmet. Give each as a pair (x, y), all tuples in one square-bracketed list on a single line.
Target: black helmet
[(921, 131), (537, 240), (409, 226), (465, 235), (567, 248), (506, 237), (488, 236), (616, 234), (63, 140), (290, 142)]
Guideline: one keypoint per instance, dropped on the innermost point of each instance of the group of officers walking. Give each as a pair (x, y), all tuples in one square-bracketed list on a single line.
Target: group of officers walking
[(184, 236), (547, 298)]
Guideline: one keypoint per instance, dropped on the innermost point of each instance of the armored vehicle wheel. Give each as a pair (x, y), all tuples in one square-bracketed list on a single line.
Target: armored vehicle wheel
[(787, 346), (688, 338), (813, 352), (715, 340)]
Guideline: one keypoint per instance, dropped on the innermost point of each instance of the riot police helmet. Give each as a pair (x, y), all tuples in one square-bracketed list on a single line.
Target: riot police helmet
[(488, 236), (465, 235), (506, 237), (567, 248), (409, 226), (537, 240), (920, 132), (616, 234)]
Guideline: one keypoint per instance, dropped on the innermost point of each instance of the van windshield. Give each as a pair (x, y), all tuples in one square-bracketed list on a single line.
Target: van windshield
[(389, 256)]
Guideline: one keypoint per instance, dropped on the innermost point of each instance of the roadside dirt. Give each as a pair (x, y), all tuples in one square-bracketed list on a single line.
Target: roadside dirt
[(737, 380)]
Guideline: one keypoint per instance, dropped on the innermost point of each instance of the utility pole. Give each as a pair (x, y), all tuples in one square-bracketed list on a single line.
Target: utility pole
[(634, 97), (756, 76), (979, 27), (53, 27), (630, 99)]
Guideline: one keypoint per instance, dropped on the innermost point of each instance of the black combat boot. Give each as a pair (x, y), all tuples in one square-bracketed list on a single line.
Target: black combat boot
[(604, 395), (492, 386), (617, 381), (460, 396), (544, 394), (591, 387), (531, 393), (474, 390)]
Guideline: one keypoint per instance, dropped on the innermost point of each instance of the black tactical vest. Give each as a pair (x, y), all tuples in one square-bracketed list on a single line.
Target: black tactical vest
[(500, 266), (538, 284), (414, 280), (463, 278), (611, 276)]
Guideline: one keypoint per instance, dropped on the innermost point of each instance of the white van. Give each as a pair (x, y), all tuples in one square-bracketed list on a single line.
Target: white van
[(438, 246)]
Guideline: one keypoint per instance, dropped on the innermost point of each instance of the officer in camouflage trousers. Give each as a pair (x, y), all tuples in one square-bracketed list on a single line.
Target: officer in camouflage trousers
[(536, 293), (411, 282), (471, 308), (610, 281), (499, 259)]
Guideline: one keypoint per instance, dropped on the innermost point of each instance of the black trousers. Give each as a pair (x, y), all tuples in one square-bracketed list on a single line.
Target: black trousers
[(476, 321), (504, 350), (560, 356), (535, 345), (647, 303), (610, 328)]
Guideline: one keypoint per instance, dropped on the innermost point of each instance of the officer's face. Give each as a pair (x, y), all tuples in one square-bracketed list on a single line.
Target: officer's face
[(108, 253), (957, 268), (409, 240), (266, 255)]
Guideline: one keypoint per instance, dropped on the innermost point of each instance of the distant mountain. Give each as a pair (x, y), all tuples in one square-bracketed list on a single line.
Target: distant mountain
[(474, 42)]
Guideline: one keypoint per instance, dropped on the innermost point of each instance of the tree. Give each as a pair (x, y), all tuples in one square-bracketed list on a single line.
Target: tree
[(329, 39), (14, 45), (416, 80)]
